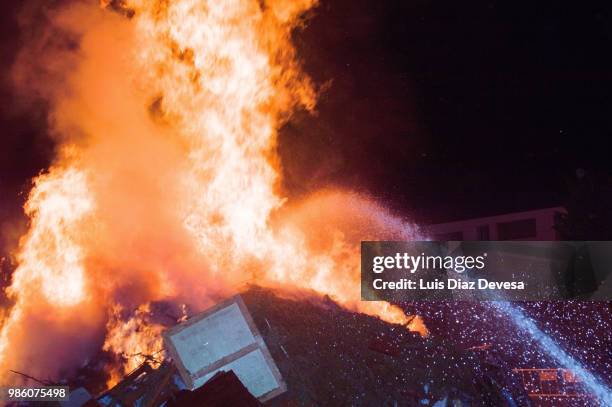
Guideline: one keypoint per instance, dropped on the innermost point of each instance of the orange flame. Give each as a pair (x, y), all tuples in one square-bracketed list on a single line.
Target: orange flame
[(136, 340), (171, 187)]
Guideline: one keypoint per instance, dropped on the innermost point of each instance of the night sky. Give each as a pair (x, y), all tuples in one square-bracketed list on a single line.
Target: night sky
[(441, 109), (451, 109)]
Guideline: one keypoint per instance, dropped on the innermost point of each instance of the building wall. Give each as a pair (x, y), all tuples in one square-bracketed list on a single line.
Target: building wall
[(529, 225)]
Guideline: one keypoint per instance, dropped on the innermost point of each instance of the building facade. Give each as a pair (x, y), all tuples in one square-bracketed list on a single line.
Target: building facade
[(529, 225)]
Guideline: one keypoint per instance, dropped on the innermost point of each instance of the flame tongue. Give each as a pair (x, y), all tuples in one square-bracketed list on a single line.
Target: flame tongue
[(174, 193), (226, 75)]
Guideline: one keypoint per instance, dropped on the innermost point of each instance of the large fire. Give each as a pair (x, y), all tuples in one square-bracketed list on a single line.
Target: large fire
[(166, 185)]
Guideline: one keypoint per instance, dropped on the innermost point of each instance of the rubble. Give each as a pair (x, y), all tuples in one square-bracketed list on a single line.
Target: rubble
[(144, 387), (325, 355)]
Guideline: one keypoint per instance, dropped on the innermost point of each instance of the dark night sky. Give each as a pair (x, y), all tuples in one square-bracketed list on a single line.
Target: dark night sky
[(453, 109), (443, 109)]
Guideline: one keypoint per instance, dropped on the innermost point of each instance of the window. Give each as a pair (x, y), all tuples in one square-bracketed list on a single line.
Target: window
[(518, 229), (482, 232)]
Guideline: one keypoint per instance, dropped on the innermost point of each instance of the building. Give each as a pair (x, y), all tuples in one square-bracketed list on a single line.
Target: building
[(529, 225)]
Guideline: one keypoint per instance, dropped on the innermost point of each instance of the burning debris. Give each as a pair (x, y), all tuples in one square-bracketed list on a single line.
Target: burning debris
[(208, 351), (145, 386), (209, 358)]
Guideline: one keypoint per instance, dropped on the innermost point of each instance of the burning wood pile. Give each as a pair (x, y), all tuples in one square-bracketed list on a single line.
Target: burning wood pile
[(273, 351), (314, 352), (262, 348)]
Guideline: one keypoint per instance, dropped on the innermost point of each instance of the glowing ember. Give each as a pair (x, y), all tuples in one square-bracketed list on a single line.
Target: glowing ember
[(171, 189)]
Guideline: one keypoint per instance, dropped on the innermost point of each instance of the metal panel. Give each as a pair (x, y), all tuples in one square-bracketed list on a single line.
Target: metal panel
[(224, 337)]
